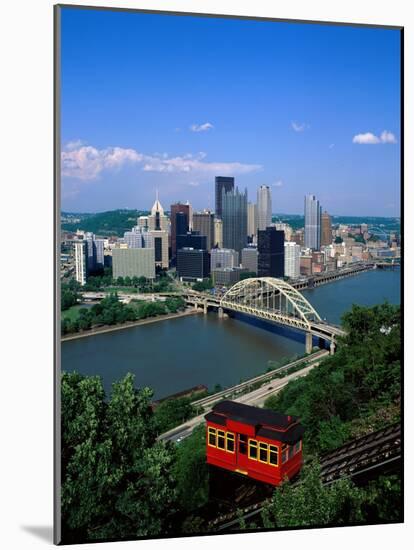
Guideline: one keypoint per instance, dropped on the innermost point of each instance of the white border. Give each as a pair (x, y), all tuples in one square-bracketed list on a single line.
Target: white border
[(26, 43)]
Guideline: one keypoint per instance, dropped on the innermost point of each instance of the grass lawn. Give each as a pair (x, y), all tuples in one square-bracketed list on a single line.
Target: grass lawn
[(71, 313)]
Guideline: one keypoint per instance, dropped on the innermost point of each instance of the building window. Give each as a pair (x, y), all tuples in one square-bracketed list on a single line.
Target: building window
[(252, 449), (212, 437), (220, 439), (273, 455), (230, 442), (263, 448), (243, 444), (285, 453)]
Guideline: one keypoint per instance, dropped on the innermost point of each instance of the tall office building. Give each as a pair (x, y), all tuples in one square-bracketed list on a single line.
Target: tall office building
[(180, 224), (271, 249), (138, 238), (192, 239), (222, 182), (193, 264), (158, 232), (264, 207), (157, 220), (80, 262), (223, 258), (203, 222), (249, 259), (326, 231), (218, 232), (94, 253), (252, 221), (292, 260), (234, 216), (133, 262), (312, 223)]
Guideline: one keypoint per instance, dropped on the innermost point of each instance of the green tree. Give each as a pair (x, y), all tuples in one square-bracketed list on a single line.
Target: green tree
[(338, 240), (309, 503), (117, 480), (172, 412), (191, 470)]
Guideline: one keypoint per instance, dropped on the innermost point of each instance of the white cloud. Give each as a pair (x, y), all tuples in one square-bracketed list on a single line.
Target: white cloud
[(388, 137), (193, 183), (299, 127), (201, 127), (371, 139), (277, 183), (87, 162)]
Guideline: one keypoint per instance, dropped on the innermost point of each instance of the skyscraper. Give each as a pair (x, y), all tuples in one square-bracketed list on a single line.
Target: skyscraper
[(264, 207), (222, 182), (218, 232), (292, 260), (157, 220), (234, 216), (252, 221), (271, 250), (204, 223), (312, 222), (158, 230), (180, 219), (80, 262), (326, 232), (94, 253)]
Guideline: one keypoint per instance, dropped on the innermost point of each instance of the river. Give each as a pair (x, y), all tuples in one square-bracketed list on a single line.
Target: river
[(170, 356)]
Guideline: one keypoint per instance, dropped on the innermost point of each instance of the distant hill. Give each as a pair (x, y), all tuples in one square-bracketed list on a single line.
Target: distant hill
[(387, 224), (113, 222)]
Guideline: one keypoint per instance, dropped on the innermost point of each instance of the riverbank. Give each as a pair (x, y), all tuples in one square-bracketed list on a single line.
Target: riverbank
[(147, 321)]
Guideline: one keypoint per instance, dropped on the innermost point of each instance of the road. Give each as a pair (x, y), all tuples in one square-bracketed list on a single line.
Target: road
[(256, 397)]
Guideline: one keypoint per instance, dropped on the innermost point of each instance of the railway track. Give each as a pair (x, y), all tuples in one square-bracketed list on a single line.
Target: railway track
[(372, 452)]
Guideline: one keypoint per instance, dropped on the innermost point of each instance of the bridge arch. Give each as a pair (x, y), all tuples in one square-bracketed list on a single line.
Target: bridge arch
[(271, 298)]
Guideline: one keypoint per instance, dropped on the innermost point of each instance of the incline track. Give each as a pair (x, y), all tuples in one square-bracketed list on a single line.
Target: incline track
[(372, 452)]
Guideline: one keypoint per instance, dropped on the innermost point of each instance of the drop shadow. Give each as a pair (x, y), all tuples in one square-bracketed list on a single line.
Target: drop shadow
[(43, 532)]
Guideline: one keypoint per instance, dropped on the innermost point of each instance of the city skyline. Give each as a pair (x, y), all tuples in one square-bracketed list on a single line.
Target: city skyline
[(117, 149)]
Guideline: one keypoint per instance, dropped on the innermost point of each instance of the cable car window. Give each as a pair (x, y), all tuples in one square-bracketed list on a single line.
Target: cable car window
[(242, 444), (252, 449), (230, 442), (212, 437), (263, 452), (298, 446), (285, 453), (220, 439), (273, 454), (291, 451)]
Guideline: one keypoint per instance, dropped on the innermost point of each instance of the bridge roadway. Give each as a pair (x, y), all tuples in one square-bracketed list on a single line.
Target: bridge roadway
[(256, 397)]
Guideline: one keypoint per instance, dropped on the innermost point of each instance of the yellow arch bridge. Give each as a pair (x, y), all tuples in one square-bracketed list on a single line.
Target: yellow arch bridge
[(272, 300)]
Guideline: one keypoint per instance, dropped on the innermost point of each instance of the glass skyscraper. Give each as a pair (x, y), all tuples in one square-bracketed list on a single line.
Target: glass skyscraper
[(234, 216), (226, 183), (312, 222), (271, 252)]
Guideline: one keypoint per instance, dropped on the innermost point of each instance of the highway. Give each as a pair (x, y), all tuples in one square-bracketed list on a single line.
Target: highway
[(256, 397)]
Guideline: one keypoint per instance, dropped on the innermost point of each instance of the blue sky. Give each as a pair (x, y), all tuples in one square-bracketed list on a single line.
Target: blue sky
[(164, 102)]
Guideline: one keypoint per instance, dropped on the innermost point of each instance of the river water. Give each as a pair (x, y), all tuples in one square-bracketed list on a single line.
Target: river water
[(174, 355)]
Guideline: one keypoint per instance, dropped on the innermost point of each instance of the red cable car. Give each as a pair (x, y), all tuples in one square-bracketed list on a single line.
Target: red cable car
[(258, 443)]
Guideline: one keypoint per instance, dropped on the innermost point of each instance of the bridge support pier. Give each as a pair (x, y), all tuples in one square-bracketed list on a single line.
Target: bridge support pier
[(308, 342), (205, 308), (332, 348), (220, 312)]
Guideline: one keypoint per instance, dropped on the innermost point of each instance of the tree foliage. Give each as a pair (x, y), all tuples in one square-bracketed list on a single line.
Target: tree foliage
[(191, 471), (117, 480), (309, 503), (361, 378), (172, 412)]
